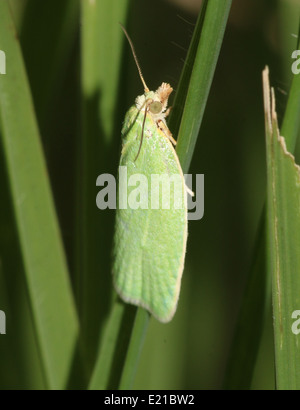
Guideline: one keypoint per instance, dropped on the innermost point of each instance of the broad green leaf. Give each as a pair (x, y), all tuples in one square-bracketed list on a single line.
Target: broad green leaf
[(284, 243)]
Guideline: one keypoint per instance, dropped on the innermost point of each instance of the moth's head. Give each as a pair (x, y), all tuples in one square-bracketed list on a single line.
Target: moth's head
[(156, 101)]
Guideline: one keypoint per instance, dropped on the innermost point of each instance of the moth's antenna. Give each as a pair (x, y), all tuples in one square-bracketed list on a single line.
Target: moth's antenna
[(135, 58)]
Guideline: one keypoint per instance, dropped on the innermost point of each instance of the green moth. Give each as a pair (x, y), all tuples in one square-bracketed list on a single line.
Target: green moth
[(151, 222)]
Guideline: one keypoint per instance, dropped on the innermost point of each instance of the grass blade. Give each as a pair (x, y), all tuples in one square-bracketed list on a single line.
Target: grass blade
[(291, 122), (251, 320), (42, 251), (134, 350), (101, 54), (284, 237), (46, 60), (114, 347), (206, 57)]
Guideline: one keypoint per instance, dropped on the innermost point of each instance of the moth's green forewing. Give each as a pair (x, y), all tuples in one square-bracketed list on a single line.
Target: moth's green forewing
[(150, 244)]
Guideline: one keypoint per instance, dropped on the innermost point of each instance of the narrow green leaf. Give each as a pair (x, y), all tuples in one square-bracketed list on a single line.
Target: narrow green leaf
[(284, 236), (102, 42), (134, 351), (291, 122), (251, 320), (101, 53), (203, 68), (185, 77), (56, 22), (113, 347), (104, 364), (41, 246)]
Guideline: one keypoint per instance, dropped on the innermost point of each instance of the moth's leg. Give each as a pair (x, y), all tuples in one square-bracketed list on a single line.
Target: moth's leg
[(162, 126), (189, 191)]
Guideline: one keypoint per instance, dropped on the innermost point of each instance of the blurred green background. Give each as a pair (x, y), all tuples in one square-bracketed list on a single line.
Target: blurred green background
[(191, 351)]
